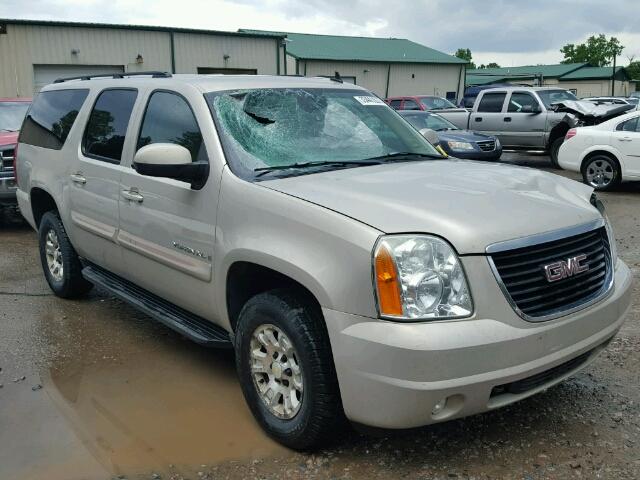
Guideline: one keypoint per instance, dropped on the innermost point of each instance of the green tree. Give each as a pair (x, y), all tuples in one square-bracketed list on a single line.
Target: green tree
[(490, 65), (633, 69), (597, 50), (465, 54)]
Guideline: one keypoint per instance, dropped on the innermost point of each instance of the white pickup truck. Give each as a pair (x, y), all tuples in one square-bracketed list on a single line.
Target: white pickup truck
[(531, 118)]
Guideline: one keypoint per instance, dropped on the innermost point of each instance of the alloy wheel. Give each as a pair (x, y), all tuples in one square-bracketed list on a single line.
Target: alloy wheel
[(54, 256), (600, 173)]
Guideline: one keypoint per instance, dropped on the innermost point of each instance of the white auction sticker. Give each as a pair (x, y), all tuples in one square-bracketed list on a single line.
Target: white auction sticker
[(368, 100)]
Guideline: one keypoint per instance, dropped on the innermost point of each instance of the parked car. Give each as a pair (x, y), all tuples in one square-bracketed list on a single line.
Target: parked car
[(12, 112), (302, 222), (420, 102), (531, 118), (612, 101), (634, 94), (605, 154), (454, 141)]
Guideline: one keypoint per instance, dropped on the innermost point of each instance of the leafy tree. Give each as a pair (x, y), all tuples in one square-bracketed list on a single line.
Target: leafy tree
[(633, 69), (597, 50), (465, 54), (490, 65)]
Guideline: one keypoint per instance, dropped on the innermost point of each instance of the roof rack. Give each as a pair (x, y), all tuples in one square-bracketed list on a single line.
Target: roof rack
[(115, 75)]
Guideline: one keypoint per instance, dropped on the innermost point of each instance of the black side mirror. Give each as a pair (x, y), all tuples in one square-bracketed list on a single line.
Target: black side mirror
[(168, 160)]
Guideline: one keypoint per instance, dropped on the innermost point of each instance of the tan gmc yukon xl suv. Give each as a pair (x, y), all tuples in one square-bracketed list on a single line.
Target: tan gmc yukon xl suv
[(302, 222)]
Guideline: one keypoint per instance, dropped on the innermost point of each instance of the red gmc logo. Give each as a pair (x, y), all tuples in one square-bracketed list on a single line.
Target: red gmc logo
[(562, 269)]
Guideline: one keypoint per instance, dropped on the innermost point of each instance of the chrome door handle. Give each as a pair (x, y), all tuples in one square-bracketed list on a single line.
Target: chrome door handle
[(132, 195), (78, 178), (625, 139)]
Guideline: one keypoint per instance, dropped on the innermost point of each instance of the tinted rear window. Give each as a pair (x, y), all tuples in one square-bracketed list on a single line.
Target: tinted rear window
[(107, 125), (492, 102), (51, 117)]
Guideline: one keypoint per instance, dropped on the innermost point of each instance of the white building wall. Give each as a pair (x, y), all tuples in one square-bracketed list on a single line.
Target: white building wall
[(594, 88)]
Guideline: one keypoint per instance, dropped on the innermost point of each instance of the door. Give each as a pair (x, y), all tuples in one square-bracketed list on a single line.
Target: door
[(95, 178), (626, 138), (46, 74), (524, 123), (167, 228), (488, 116)]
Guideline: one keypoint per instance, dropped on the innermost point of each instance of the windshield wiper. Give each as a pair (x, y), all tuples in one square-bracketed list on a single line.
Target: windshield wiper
[(402, 156), (333, 163), (7, 130)]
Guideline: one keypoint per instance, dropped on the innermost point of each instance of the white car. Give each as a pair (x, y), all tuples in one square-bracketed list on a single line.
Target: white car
[(605, 154)]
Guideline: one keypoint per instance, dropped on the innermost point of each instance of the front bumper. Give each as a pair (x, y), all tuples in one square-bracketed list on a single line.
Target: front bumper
[(393, 374), (473, 154), (7, 189)]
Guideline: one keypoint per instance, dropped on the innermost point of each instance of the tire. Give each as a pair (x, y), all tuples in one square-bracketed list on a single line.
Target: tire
[(56, 250), (319, 415), (553, 152), (602, 172)]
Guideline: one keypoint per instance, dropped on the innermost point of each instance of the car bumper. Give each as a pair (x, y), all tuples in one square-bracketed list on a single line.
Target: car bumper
[(393, 375), (475, 154), (7, 190)]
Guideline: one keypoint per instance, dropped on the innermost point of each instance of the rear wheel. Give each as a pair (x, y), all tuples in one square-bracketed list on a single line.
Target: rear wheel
[(553, 151), (602, 172), (286, 370), (60, 262)]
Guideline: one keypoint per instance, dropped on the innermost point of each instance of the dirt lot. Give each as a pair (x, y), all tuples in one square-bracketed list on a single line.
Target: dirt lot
[(92, 389)]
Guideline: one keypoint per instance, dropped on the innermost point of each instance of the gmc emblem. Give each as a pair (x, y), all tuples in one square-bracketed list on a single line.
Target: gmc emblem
[(562, 269)]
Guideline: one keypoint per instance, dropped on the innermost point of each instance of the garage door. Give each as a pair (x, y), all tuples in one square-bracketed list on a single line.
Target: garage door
[(46, 74)]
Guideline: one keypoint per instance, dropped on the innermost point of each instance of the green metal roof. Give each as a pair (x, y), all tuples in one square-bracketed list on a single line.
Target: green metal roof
[(484, 79), (530, 71), (368, 49), (596, 73)]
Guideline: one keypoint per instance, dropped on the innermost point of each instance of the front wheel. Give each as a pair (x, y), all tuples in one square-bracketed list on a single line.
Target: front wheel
[(602, 172), (286, 370), (553, 152)]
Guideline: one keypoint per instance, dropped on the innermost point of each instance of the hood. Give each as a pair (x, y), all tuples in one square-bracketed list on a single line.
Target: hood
[(471, 204), (590, 111), (462, 136), (8, 138)]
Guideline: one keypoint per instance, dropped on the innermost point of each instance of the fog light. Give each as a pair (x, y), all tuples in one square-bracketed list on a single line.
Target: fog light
[(439, 407)]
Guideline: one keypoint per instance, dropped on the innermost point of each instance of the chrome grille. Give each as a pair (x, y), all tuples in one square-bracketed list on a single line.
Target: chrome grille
[(487, 145), (6, 163), (522, 276)]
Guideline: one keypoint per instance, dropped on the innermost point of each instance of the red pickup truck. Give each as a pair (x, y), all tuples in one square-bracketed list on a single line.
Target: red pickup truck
[(12, 113)]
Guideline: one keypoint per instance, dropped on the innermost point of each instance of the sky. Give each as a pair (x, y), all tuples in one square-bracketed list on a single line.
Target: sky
[(516, 32)]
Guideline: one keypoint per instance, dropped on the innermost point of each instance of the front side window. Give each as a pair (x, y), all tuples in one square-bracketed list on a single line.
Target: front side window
[(492, 102), (629, 126), (169, 119), (107, 125), (11, 115), (266, 128), (550, 97), (51, 118), (522, 103), (395, 104)]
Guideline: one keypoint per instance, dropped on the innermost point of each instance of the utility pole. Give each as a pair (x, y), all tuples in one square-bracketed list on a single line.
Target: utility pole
[(613, 77)]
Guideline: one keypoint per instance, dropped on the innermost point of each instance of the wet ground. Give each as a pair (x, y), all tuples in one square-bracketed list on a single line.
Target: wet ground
[(91, 389)]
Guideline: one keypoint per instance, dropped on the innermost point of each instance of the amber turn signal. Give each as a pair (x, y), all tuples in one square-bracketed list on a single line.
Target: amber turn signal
[(387, 283)]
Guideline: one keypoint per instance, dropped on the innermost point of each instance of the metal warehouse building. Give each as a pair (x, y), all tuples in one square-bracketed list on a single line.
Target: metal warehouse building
[(386, 66), (35, 53)]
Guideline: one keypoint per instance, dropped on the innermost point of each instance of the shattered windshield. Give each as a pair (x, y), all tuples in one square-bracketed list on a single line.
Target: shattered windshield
[(277, 129), (549, 97)]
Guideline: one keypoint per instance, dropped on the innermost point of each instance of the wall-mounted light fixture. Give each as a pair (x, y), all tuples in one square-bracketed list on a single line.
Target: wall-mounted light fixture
[(226, 57), (139, 59), (75, 51), (413, 75), (366, 70)]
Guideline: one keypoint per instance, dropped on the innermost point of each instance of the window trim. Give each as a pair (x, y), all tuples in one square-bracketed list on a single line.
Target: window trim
[(637, 119), (144, 115), (492, 93), (112, 161)]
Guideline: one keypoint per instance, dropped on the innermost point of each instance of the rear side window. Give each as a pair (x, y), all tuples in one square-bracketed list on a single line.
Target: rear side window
[(629, 126), (51, 117), (169, 119), (395, 104), (492, 102), (107, 125), (410, 105)]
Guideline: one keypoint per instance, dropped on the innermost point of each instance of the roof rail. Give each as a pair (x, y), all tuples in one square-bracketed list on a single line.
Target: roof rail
[(115, 75)]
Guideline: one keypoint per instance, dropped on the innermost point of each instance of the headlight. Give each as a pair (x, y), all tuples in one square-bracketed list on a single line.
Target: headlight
[(460, 146), (497, 142), (607, 225), (419, 277)]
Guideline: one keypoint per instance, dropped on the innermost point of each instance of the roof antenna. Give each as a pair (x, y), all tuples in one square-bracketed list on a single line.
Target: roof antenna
[(336, 78)]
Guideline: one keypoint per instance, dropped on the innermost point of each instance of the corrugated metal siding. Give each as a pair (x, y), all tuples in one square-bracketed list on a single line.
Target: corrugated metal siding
[(430, 79), (594, 88), (374, 78), (194, 50), (26, 45)]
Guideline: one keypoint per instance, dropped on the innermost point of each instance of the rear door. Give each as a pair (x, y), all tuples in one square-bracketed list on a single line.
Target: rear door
[(521, 126), (488, 117), (94, 178), (626, 138), (166, 228)]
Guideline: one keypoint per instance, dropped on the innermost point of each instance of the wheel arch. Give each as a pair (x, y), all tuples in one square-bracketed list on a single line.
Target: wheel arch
[(558, 131), (41, 202), (602, 150)]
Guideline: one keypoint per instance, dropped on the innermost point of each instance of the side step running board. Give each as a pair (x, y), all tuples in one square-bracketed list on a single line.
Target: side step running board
[(192, 326)]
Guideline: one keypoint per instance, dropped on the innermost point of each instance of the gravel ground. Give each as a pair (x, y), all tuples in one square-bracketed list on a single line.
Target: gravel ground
[(91, 389)]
